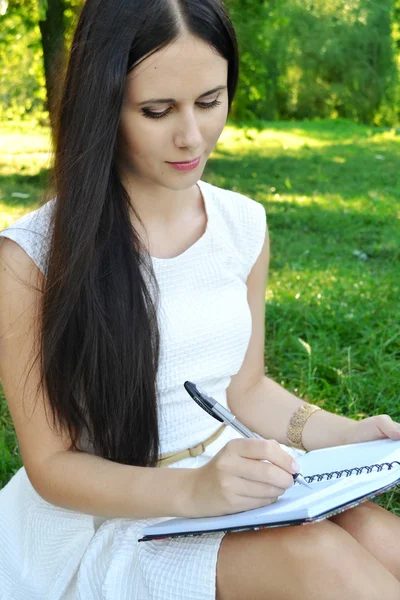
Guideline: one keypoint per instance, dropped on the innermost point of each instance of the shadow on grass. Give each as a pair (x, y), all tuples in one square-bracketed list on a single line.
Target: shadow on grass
[(350, 236), (324, 130), (351, 172), (353, 169), (363, 213), (19, 182)]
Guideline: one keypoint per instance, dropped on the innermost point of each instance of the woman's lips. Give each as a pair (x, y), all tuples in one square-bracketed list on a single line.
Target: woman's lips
[(186, 166)]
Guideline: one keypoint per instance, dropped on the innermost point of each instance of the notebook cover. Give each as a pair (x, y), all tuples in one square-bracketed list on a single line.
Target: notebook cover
[(322, 516)]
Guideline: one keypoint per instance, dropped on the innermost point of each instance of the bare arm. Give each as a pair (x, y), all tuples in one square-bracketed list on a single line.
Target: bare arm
[(74, 480), (262, 404), (267, 407), (89, 484)]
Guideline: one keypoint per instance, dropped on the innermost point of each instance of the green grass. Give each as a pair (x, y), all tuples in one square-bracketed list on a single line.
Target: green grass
[(331, 190)]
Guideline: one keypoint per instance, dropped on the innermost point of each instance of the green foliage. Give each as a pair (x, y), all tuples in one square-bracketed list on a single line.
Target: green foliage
[(318, 59), (299, 59), (23, 91), (340, 61), (254, 47), (43, 5)]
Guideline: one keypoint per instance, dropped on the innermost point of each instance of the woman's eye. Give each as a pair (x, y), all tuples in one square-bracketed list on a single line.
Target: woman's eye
[(155, 115)]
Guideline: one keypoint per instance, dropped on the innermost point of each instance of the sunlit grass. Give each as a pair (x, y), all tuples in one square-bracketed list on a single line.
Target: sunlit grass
[(25, 155), (23, 150), (332, 195)]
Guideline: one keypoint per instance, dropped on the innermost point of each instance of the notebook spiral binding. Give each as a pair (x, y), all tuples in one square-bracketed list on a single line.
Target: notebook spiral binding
[(348, 472)]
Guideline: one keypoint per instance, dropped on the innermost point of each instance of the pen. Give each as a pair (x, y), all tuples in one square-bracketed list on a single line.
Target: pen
[(219, 412)]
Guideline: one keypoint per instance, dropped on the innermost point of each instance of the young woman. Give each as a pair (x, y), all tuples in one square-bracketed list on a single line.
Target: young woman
[(136, 277)]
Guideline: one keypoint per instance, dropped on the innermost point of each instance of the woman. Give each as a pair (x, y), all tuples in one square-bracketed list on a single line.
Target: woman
[(138, 277)]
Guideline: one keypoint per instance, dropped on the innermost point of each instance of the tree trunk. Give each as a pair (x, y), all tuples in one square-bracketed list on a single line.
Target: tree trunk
[(54, 54)]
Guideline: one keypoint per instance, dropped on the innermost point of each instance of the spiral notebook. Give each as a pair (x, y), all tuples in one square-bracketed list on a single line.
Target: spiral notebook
[(341, 477)]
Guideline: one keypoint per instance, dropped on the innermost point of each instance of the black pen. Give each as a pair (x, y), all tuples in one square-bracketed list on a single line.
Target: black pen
[(219, 412)]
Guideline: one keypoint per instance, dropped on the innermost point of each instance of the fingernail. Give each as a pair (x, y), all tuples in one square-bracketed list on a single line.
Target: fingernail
[(295, 467)]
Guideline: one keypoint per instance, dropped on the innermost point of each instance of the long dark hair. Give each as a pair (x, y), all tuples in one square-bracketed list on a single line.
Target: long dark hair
[(99, 336)]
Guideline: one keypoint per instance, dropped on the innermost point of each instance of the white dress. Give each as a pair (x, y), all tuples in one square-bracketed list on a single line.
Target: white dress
[(50, 553)]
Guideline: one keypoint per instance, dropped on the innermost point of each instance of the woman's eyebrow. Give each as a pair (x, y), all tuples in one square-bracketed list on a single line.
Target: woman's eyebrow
[(165, 100)]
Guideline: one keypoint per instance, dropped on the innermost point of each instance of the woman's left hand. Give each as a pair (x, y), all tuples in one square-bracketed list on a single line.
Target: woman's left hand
[(373, 428)]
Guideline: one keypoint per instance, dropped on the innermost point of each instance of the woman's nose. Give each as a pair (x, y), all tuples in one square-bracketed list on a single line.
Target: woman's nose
[(188, 133)]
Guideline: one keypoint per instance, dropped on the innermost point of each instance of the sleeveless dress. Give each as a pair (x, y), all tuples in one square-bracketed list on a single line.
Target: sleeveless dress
[(51, 553)]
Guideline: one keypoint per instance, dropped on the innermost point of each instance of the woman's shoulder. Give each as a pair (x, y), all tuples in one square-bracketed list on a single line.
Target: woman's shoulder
[(237, 205), (37, 219), (241, 223), (32, 231)]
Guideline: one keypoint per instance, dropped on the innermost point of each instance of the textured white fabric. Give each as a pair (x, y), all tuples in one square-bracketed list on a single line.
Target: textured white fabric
[(205, 323)]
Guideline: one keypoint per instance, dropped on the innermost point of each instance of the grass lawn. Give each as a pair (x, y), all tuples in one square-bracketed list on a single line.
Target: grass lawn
[(331, 190)]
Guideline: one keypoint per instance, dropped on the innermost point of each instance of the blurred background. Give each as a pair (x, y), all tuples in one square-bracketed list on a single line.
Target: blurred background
[(301, 59), (314, 136)]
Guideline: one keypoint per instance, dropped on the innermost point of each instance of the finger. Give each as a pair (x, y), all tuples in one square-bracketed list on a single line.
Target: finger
[(263, 472), (255, 489), (263, 450), (245, 503), (388, 427)]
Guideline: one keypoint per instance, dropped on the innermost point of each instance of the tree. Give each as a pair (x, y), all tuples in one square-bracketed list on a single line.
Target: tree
[(52, 29), (45, 26)]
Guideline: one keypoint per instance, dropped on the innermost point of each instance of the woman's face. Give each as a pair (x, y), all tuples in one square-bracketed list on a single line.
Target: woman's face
[(184, 125)]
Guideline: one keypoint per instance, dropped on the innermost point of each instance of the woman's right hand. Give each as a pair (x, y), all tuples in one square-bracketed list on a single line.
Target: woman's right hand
[(236, 479)]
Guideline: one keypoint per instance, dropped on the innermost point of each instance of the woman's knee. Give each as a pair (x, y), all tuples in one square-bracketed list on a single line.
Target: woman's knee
[(327, 554), (365, 522), (377, 530), (324, 544)]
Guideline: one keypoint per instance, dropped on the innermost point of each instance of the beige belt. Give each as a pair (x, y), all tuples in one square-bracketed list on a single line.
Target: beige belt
[(168, 459)]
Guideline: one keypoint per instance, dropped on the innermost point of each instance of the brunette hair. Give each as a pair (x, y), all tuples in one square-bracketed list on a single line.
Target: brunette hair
[(99, 336)]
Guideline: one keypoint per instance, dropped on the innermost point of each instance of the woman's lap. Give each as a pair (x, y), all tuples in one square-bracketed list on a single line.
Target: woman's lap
[(298, 554), (321, 560)]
